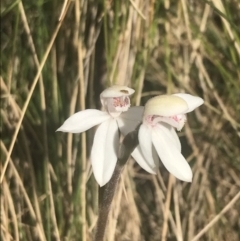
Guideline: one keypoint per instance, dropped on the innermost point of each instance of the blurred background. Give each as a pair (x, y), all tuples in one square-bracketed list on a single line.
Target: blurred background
[(48, 191)]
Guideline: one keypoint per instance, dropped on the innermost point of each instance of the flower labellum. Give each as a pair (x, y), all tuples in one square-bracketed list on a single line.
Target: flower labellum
[(115, 99), (116, 115), (157, 134)]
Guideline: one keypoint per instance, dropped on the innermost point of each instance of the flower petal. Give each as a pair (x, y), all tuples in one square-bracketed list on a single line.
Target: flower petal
[(169, 154), (145, 143), (83, 120), (165, 105), (104, 151), (128, 121), (175, 138), (116, 91), (155, 156), (192, 101), (143, 163)]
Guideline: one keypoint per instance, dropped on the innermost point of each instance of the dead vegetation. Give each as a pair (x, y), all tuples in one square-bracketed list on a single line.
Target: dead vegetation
[(51, 69)]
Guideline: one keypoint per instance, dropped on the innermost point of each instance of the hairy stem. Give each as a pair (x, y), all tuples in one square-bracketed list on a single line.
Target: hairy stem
[(107, 192)]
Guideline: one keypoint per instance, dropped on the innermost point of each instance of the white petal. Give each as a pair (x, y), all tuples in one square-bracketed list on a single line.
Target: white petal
[(155, 157), (192, 101), (143, 163), (165, 105), (145, 143), (84, 120), (128, 121), (116, 91), (175, 138), (169, 154), (104, 151)]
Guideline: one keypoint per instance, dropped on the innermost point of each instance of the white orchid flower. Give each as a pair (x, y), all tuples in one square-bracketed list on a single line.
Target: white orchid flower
[(116, 115), (157, 134)]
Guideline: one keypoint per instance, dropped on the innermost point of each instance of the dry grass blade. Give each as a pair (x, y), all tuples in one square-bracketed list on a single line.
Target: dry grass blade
[(155, 47), (217, 217), (35, 81)]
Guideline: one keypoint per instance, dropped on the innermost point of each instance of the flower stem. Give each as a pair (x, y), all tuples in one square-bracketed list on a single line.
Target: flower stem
[(129, 143)]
